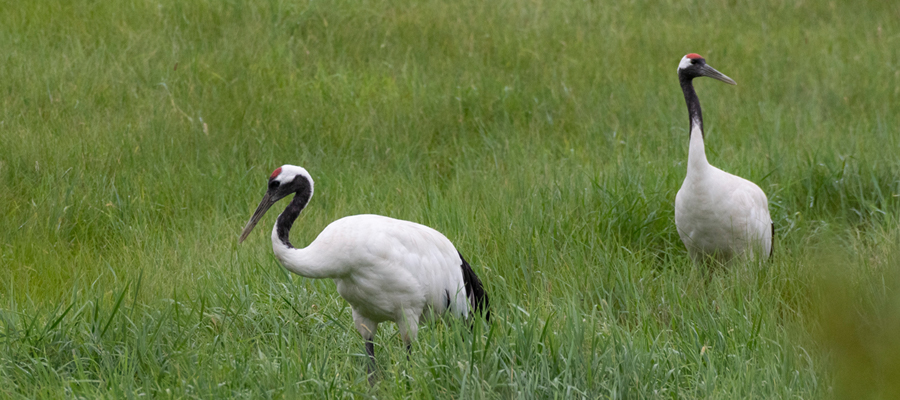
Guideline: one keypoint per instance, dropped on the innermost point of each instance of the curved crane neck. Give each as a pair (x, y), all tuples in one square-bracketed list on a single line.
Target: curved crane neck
[(289, 215), (696, 151), (305, 262)]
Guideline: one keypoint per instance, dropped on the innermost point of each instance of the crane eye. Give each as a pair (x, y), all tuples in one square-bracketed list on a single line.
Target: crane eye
[(274, 184)]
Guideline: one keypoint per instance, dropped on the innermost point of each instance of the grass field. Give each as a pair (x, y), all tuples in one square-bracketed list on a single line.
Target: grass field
[(547, 139)]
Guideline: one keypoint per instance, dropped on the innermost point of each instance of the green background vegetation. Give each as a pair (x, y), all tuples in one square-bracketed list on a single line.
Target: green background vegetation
[(547, 139)]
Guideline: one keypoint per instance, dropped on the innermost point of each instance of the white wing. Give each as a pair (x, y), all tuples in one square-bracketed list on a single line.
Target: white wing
[(384, 265)]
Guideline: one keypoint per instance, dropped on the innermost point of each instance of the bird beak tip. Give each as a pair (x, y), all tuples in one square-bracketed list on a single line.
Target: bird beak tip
[(243, 237)]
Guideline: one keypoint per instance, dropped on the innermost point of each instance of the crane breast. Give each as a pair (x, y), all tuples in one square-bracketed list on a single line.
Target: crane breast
[(721, 212)]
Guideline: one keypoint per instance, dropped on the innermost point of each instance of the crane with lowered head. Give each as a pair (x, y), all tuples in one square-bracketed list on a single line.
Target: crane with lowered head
[(387, 269)]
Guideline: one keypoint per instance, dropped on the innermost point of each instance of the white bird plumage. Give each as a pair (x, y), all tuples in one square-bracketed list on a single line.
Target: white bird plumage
[(387, 269), (717, 214)]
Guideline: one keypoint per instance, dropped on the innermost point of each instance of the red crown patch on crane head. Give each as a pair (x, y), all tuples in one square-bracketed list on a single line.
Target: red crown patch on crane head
[(275, 173)]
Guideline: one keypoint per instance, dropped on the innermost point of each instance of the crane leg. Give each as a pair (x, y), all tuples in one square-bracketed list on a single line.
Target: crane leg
[(367, 329), (370, 366)]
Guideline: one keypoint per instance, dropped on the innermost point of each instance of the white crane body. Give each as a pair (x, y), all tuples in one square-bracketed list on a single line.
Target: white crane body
[(720, 213), (383, 267)]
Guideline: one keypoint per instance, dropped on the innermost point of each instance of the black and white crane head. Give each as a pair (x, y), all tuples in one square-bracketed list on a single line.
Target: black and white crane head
[(694, 66), (284, 181), (387, 269), (718, 215)]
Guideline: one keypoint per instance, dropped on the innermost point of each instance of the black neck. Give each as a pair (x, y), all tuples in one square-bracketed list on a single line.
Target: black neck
[(290, 214), (693, 103)]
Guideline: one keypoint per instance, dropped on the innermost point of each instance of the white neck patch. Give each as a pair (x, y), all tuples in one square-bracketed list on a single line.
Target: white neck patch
[(289, 172), (685, 62)]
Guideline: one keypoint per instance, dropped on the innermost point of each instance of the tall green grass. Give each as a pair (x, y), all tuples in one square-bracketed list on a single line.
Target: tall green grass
[(546, 139)]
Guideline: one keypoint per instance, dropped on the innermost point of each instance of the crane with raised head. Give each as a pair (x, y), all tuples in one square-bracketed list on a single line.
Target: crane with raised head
[(718, 215), (387, 269)]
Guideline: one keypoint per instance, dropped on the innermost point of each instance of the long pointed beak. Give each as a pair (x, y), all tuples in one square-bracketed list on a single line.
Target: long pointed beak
[(264, 205), (712, 73)]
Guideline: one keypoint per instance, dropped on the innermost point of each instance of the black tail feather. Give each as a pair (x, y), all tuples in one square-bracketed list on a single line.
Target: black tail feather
[(478, 299)]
